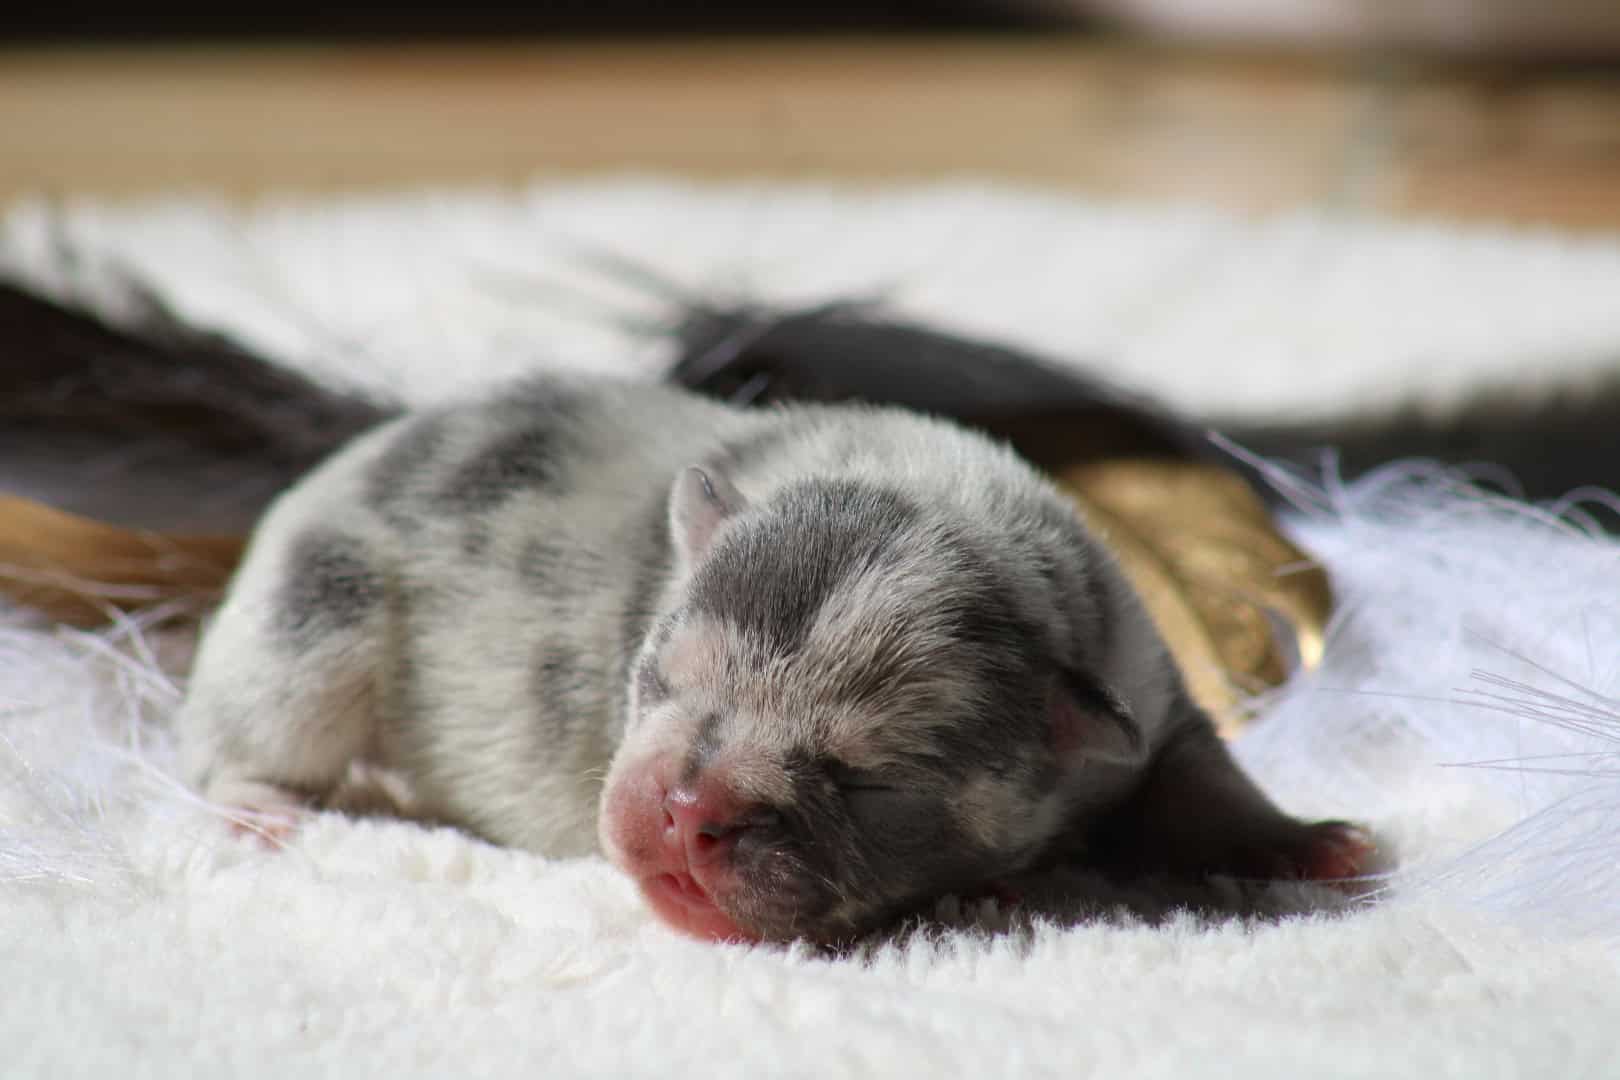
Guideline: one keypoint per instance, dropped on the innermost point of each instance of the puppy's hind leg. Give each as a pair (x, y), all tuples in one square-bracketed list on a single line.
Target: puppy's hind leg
[(1196, 813), (283, 696)]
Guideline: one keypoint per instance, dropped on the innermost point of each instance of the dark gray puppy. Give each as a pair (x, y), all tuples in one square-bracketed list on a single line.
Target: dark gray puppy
[(834, 663)]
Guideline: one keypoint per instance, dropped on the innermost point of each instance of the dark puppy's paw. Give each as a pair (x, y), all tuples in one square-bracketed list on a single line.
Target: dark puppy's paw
[(1336, 850), (1326, 851)]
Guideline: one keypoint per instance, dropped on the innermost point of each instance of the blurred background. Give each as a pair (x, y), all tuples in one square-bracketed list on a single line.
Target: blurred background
[(1497, 110)]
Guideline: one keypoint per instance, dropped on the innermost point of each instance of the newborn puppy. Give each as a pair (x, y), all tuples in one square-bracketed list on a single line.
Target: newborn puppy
[(834, 663)]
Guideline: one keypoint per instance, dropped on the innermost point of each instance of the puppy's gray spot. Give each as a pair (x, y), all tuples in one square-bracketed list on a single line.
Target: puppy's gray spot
[(402, 693), (772, 576), (394, 475), (525, 459), (327, 584), (561, 572), (545, 399), (531, 451), (561, 684), (543, 565)]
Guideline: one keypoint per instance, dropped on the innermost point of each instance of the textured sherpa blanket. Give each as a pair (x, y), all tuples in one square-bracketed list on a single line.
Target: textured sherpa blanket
[(1466, 708)]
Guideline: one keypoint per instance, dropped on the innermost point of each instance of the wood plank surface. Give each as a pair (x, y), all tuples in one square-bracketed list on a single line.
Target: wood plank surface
[(1247, 130)]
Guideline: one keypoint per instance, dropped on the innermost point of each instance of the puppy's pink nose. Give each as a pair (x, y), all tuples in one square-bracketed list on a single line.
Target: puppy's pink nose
[(705, 820)]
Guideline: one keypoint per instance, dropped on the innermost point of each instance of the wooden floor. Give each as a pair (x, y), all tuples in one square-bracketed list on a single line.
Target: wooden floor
[(1258, 132)]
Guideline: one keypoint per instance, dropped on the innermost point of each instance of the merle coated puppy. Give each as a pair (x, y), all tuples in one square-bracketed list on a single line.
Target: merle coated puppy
[(797, 671)]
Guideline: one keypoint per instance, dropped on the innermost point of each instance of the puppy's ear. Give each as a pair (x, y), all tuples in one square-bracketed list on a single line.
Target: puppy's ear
[(1091, 722), (698, 503)]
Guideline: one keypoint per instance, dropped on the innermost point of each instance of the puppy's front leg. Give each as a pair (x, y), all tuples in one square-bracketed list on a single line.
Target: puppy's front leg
[(1196, 813)]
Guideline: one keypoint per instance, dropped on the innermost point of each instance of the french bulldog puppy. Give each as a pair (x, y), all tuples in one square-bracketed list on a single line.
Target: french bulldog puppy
[(799, 671)]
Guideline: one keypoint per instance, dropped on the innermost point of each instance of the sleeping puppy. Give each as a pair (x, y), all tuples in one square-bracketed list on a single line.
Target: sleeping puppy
[(833, 662)]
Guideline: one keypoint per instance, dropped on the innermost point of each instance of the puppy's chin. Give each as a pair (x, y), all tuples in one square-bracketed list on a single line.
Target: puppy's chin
[(692, 903), (682, 904)]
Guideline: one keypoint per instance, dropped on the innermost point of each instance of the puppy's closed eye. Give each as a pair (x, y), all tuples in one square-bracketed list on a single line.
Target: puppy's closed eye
[(847, 778), (875, 798)]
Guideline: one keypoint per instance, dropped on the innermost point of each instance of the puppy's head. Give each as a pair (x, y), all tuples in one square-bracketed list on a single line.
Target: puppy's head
[(853, 710)]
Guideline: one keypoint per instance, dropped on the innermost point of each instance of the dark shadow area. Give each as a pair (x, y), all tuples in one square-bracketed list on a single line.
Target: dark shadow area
[(124, 23)]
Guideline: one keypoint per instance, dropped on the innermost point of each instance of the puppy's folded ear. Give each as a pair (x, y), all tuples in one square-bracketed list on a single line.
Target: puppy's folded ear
[(1091, 722), (699, 502)]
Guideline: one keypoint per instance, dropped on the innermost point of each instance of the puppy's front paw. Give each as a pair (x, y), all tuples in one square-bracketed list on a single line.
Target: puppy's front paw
[(1334, 851), (265, 812), (1326, 851)]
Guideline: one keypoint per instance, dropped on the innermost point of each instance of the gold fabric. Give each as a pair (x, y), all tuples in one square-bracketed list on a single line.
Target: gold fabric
[(1239, 604)]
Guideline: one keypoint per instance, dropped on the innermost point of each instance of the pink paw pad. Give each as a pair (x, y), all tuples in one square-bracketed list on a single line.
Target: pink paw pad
[(1337, 850), (264, 812), (272, 828)]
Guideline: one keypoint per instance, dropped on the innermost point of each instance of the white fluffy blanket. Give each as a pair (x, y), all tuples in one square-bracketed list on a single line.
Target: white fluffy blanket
[(1466, 707)]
